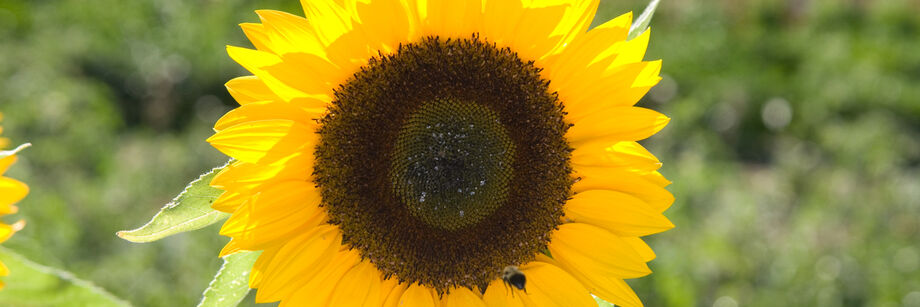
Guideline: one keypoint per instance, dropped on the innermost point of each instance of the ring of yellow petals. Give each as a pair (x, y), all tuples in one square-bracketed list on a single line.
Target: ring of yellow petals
[(11, 191), (299, 61)]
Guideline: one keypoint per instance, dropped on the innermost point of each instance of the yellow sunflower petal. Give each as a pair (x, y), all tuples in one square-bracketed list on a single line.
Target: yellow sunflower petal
[(309, 73), (242, 176), (575, 22), (648, 77), (256, 61), (644, 76), (274, 214), (257, 274), (265, 110), (656, 178), (228, 176), (617, 212), (264, 140), (566, 67), (301, 253), (5, 162), (461, 297), (241, 179), (329, 20), (13, 190), (593, 250), (532, 39), (622, 294), (387, 23), (229, 249), (632, 50), (230, 201), (289, 33), (318, 38), (387, 286), (350, 52), (610, 289), (525, 29), (303, 261), (500, 294), (450, 18), (500, 18), (249, 89), (311, 105), (417, 296), (600, 178), (592, 67), (644, 251), (548, 285), (395, 295), (617, 124), (628, 155), (621, 87), (363, 284), (6, 231), (258, 35), (8, 209), (319, 289)]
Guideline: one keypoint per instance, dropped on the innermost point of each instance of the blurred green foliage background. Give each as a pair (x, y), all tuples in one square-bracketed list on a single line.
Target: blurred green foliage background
[(794, 144)]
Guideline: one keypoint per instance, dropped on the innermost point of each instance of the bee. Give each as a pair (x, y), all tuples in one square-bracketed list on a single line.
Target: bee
[(512, 276)]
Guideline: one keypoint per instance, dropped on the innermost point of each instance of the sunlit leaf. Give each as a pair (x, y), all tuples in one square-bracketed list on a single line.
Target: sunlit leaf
[(641, 23), (603, 303), (230, 285), (191, 210), (32, 284), (7, 153)]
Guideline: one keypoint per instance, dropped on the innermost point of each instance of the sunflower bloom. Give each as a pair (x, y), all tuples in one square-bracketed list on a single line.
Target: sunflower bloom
[(11, 191), (410, 152)]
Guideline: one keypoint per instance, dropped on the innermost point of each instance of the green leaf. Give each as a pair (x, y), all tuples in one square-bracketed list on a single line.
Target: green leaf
[(231, 283), (32, 284), (641, 23), (602, 303), (7, 153), (191, 210)]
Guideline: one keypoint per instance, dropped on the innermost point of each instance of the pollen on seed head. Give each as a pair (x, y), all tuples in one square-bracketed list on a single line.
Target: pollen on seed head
[(444, 154)]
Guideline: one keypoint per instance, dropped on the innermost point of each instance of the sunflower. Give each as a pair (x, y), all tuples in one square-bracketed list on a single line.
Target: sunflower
[(11, 191), (410, 152)]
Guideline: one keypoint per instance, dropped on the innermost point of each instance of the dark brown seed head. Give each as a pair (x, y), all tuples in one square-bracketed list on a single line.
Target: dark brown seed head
[(445, 162)]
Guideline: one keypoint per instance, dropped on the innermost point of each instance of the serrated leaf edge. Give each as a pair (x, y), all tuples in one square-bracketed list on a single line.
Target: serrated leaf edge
[(127, 234)]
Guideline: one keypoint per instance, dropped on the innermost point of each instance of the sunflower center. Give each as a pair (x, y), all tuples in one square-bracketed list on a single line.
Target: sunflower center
[(445, 162), (451, 163)]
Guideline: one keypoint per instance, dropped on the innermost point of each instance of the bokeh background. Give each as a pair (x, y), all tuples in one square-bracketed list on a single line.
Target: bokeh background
[(794, 145)]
